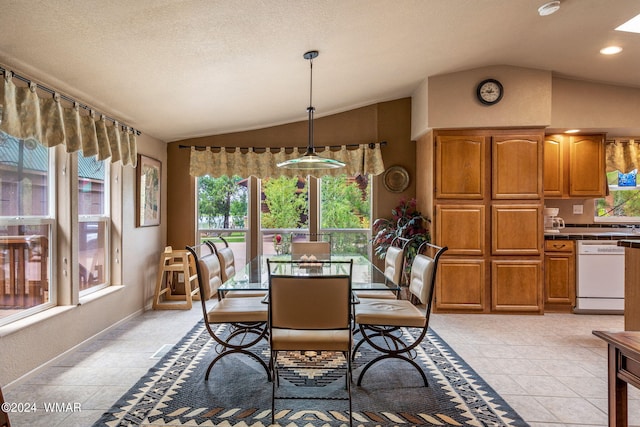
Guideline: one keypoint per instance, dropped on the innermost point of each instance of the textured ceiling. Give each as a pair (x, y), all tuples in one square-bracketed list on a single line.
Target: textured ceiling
[(177, 69)]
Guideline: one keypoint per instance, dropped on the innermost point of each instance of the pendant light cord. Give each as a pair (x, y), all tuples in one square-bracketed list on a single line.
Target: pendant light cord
[(310, 148)]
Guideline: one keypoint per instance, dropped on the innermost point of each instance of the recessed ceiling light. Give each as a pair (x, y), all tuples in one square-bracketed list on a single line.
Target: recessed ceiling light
[(611, 50), (631, 26), (572, 131), (549, 8)]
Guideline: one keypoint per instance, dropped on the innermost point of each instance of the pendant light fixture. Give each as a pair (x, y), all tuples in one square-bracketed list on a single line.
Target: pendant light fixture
[(310, 160)]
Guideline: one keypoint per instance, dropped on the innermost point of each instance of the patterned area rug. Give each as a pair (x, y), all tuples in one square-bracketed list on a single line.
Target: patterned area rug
[(237, 393)]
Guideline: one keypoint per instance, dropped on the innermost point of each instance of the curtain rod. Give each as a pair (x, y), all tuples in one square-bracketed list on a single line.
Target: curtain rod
[(204, 147), (66, 98), (613, 140)]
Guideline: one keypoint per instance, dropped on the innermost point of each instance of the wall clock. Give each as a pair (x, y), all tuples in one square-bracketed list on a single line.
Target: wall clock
[(489, 91)]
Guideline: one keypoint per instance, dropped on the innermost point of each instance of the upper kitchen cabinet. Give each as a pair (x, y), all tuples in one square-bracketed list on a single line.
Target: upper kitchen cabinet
[(574, 166), (460, 167), (516, 164)]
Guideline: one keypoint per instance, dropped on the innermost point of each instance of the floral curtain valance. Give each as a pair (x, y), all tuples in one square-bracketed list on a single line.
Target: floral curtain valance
[(365, 159), (623, 154), (27, 116)]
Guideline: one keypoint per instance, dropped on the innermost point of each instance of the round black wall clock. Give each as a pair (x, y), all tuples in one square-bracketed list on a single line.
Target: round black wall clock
[(489, 91)]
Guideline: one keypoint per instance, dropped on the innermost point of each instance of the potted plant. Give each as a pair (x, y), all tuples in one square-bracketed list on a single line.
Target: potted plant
[(407, 227)]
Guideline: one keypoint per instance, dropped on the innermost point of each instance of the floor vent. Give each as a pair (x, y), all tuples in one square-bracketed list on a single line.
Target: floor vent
[(161, 351)]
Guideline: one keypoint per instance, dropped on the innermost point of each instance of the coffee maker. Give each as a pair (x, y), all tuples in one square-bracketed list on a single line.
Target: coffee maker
[(552, 222)]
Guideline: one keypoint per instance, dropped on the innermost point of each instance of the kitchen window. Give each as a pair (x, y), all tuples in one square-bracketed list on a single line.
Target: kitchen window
[(622, 204)]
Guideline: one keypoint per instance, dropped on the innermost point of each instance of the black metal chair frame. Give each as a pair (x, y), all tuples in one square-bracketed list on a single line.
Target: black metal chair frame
[(395, 347), (229, 345)]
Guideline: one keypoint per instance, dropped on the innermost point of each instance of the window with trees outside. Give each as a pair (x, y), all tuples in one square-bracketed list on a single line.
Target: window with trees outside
[(284, 211), (223, 211), (345, 213), (623, 201), (342, 215), (341, 212)]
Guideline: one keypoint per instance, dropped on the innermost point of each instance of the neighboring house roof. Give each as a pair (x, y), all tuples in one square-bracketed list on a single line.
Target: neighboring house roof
[(36, 157)]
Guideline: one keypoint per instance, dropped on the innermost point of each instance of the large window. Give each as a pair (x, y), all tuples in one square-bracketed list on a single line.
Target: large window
[(26, 227), (29, 221), (93, 224), (223, 211), (284, 211), (623, 201), (345, 213), (335, 208)]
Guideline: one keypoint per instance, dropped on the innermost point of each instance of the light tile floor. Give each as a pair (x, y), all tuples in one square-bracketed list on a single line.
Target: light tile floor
[(549, 368)]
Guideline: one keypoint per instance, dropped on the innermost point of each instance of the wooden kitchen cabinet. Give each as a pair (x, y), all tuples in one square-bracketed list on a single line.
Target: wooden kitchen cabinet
[(559, 275), (461, 228), (516, 229), (553, 181), (460, 167), (488, 189), (514, 285), (460, 285), (574, 166), (516, 164)]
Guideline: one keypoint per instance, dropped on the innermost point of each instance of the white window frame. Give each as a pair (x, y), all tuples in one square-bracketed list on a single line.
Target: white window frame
[(49, 220)]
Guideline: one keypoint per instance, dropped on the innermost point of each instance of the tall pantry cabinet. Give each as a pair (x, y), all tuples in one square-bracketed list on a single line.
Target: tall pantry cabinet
[(488, 210)]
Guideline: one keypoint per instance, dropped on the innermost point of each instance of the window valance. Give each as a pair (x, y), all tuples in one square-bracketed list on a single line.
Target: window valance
[(623, 154), (27, 116), (363, 159)]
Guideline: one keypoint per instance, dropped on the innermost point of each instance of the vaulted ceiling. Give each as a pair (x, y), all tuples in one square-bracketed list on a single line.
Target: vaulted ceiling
[(176, 69)]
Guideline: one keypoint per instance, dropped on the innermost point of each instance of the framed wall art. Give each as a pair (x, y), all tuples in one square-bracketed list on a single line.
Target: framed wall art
[(148, 175)]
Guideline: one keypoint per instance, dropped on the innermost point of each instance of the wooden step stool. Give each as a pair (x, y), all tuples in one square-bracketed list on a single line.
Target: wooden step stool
[(168, 295)]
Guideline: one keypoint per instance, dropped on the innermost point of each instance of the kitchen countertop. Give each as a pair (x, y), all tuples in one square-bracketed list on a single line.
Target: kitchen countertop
[(595, 233)]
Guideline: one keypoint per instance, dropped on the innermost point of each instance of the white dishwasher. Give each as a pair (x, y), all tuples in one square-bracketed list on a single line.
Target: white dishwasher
[(600, 278)]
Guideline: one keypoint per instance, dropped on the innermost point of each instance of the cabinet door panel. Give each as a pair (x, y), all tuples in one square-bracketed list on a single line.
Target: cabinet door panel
[(515, 285), (553, 167), (460, 167), (516, 167), (461, 228), (559, 279), (460, 284), (516, 230), (587, 170)]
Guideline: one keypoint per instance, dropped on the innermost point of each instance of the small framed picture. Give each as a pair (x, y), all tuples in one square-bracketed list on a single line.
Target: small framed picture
[(148, 176)]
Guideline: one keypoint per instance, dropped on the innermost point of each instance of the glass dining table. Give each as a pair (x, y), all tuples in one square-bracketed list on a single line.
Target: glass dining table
[(254, 276)]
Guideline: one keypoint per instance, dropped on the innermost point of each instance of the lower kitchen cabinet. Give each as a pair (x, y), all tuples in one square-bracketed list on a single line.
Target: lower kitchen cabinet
[(559, 275), (514, 285), (460, 285)]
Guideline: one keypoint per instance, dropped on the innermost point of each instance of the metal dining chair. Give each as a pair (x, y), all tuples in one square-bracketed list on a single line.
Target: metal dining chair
[(228, 268), (309, 313), (247, 317), (320, 250), (380, 320), (393, 265)]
